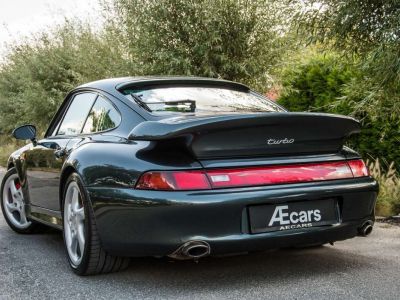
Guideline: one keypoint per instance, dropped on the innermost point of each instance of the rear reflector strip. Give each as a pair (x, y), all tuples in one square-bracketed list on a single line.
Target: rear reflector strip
[(252, 176)]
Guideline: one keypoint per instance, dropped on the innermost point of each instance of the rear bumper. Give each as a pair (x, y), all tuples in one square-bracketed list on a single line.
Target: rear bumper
[(153, 223)]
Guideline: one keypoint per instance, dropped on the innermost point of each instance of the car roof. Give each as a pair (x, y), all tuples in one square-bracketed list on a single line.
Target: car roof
[(112, 84)]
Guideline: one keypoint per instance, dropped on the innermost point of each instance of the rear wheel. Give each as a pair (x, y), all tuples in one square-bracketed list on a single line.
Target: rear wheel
[(13, 204), (85, 253)]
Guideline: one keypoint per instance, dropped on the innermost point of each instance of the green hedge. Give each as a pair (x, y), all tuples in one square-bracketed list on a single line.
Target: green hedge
[(320, 83)]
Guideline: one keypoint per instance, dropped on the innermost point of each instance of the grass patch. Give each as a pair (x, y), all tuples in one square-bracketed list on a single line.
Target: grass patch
[(388, 203)]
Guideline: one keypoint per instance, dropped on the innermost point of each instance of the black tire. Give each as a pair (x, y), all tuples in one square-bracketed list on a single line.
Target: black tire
[(33, 227), (95, 260)]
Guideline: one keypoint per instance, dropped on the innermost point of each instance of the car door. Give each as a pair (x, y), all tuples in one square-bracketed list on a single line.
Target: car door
[(45, 159)]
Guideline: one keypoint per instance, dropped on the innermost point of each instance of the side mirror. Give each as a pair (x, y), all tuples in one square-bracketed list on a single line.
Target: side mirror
[(25, 132)]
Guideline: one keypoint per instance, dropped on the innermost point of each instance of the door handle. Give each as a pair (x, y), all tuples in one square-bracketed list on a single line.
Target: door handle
[(60, 153)]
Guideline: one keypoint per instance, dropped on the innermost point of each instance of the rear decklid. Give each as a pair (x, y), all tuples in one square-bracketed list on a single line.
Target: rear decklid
[(250, 135)]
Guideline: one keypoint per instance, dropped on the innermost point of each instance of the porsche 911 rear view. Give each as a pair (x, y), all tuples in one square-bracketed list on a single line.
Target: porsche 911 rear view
[(185, 167)]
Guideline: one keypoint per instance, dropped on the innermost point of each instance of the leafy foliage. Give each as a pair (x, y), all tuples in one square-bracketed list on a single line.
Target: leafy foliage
[(315, 82), (320, 82), (38, 73), (233, 39), (371, 30)]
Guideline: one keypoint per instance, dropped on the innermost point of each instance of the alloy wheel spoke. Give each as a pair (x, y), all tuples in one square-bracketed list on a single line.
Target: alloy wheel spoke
[(74, 244), (67, 215), (75, 199), (22, 214), (16, 194), (11, 206), (80, 214), (19, 197), (13, 188)]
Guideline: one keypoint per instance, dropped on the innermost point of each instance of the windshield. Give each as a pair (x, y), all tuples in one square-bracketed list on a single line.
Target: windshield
[(199, 99)]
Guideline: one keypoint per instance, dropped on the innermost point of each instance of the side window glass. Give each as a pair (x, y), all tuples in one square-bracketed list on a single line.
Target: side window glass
[(102, 117), (76, 114)]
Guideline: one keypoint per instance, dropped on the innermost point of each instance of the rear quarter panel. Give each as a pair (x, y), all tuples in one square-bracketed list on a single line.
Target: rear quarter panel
[(120, 164)]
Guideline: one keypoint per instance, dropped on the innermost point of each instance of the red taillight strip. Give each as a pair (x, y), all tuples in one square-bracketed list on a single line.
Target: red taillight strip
[(252, 176), (279, 174), (359, 168), (173, 180)]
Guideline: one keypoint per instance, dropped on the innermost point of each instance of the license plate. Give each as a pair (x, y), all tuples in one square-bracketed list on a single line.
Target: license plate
[(293, 215)]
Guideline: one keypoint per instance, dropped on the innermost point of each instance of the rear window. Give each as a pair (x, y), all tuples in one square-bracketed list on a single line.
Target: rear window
[(197, 99)]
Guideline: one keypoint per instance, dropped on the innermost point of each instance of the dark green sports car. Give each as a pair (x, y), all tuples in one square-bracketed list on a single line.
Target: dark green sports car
[(185, 167)]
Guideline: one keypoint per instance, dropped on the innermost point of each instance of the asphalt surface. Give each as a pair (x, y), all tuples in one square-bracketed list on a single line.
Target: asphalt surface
[(34, 266)]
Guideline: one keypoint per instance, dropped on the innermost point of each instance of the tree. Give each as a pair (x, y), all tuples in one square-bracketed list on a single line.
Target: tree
[(233, 39), (369, 29), (39, 72)]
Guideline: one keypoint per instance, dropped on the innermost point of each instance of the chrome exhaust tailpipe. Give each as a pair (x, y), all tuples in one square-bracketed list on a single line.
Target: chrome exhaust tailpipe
[(366, 228), (192, 250)]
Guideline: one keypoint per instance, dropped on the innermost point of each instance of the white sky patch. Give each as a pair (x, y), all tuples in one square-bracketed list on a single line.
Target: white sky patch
[(20, 18)]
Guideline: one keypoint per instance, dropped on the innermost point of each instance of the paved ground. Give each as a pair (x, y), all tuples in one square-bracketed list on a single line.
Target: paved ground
[(361, 268)]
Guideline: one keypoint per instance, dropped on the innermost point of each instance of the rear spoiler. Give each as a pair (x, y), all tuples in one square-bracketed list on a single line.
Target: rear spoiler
[(252, 134)]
